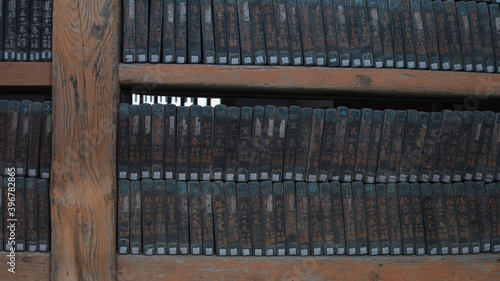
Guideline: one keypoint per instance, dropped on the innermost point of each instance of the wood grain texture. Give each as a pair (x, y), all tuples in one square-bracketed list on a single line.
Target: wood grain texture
[(85, 98), (467, 267), (29, 266), (25, 74), (370, 82)]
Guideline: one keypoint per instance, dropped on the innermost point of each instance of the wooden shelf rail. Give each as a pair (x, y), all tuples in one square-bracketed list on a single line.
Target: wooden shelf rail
[(346, 81), (29, 266), (466, 267), (25, 73)]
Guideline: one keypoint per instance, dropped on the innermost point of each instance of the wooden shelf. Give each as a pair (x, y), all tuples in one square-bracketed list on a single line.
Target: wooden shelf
[(29, 266), (85, 93), (470, 267), (25, 73), (320, 80)]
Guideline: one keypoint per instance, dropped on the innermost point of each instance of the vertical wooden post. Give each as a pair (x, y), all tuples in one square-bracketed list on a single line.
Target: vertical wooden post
[(85, 96)]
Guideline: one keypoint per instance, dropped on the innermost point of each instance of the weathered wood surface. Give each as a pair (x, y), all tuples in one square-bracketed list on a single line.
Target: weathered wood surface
[(25, 73), (467, 267), (29, 266), (370, 82), (85, 98)]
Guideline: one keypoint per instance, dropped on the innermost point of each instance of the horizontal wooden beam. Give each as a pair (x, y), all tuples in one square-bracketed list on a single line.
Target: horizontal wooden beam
[(29, 266), (25, 73), (328, 81), (466, 267)]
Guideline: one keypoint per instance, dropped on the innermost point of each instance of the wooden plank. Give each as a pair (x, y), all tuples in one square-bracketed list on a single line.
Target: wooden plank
[(29, 266), (372, 82), (85, 96), (25, 73), (467, 267)]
